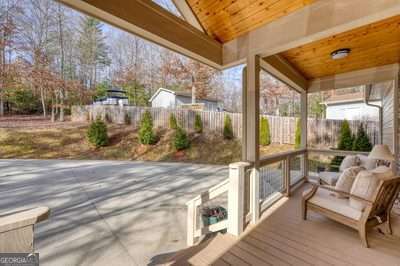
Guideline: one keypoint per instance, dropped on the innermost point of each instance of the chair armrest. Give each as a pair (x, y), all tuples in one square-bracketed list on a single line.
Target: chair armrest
[(23, 218), (310, 193), (346, 194)]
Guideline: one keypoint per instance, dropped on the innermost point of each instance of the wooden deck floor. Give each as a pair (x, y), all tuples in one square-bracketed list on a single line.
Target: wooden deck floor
[(284, 238)]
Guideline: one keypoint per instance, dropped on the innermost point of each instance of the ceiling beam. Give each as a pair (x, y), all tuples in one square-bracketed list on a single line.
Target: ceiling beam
[(355, 78), (311, 23), (150, 21), (187, 12), (281, 69)]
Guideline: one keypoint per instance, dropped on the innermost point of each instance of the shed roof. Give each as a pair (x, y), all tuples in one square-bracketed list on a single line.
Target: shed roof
[(182, 94)]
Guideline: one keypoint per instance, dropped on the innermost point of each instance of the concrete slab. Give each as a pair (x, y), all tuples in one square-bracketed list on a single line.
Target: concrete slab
[(106, 212)]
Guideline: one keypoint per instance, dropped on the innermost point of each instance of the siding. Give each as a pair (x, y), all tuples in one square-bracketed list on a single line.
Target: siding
[(388, 117)]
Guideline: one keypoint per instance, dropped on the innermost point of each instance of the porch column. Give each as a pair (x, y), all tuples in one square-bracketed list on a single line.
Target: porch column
[(251, 124), (396, 121), (304, 121)]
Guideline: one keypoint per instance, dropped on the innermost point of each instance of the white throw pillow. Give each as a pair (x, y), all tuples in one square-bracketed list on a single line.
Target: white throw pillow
[(348, 161), (346, 180), (366, 162), (383, 172), (364, 186)]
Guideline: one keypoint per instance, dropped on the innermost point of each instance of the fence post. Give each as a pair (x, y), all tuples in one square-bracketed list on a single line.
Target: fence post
[(236, 200)]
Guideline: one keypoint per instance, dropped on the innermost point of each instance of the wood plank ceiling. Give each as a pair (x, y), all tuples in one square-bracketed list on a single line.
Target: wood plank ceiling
[(225, 20), (372, 45)]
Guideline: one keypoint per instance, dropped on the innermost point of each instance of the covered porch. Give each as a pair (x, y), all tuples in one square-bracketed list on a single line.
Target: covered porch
[(282, 238), (296, 44)]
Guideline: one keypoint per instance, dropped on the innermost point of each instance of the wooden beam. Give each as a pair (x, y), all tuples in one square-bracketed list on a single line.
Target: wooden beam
[(187, 12), (281, 69), (252, 109), (150, 21), (311, 23), (355, 78)]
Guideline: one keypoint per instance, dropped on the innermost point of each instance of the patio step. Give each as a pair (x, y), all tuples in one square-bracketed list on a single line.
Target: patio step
[(205, 253)]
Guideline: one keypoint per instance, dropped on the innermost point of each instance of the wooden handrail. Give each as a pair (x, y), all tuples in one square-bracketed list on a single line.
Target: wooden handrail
[(280, 156), (335, 152), (213, 192)]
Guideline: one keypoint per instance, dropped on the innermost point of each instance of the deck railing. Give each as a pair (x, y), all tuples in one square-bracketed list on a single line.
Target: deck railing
[(250, 191), (278, 173), (195, 227)]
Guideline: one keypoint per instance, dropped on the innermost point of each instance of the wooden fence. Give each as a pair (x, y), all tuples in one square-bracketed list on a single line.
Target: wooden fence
[(321, 132)]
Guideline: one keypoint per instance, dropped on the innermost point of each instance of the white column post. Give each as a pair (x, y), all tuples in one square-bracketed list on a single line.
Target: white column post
[(191, 223), (237, 173), (251, 112), (255, 195)]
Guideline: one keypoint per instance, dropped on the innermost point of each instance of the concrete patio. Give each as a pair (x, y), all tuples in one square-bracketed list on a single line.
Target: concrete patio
[(106, 212)]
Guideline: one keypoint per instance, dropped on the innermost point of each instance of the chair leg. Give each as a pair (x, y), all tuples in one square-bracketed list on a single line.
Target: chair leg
[(389, 225), (304, 210), (363, 235)]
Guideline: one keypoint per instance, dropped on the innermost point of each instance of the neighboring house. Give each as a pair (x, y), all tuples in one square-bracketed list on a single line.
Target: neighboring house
[(114, 96), (174, 99), (351, 106)]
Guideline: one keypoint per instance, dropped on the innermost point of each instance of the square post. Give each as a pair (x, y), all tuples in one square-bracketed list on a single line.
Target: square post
[(304, 128), (251, 124), (236, 213)]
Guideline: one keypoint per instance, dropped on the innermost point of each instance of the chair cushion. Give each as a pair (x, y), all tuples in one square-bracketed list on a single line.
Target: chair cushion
[(325, 199), (364, 186), (346, 179), (383, 172), (366, 162), (329, 178), (348, 161)]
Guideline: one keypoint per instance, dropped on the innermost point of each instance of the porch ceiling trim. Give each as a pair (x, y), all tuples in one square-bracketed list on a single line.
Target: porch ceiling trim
[(278, 66), (152, 22), (311, 23), (188, 14), (355, 78)]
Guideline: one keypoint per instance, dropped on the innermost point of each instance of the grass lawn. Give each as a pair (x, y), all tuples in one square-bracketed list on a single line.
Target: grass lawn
[(69, 142)]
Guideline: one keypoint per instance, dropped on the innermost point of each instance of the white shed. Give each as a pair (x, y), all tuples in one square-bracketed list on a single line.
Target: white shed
[(174, 99)]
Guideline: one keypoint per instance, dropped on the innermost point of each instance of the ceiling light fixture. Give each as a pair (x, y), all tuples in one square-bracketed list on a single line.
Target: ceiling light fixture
[(340, 53)]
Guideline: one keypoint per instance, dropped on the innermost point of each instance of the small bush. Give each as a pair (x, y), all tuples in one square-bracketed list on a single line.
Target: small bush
[(198, 124), (265, 135), (146, 134), (297, 137), (228, 131), (346, 138), (97, 133), (181, 140), (361, 142), (172, 122)]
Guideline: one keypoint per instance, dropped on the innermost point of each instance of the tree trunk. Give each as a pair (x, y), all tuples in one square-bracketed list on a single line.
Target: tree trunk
[(43, 102), (53, 110), (1, 103), (61, 118)]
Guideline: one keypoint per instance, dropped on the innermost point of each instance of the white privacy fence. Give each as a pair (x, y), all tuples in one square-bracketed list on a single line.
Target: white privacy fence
[(321, 132)]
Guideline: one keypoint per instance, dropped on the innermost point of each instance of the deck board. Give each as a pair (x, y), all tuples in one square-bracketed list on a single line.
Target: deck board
[(285, 237)]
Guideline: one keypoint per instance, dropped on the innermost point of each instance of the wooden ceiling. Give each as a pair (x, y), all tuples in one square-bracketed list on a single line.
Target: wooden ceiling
[(225, 20), (372, 45)]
